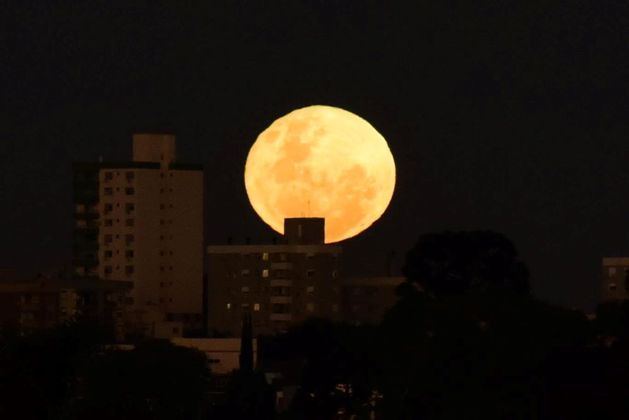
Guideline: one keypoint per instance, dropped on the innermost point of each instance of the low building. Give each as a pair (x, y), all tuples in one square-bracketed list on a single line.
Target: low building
[(279, 284), (223, 354), (615, 278), (364, 300), (45, 303)]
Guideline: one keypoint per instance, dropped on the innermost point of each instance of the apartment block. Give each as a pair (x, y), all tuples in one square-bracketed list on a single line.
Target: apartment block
[(279, 284), (142, 221)]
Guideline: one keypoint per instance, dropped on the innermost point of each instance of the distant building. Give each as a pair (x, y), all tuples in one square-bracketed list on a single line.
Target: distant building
[(615, 278), (222, 353), (364, 300), (142, 222), (45, 303), (280, 284)]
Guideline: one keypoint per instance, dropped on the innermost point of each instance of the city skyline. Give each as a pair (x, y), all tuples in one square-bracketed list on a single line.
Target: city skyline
[(516, 128)]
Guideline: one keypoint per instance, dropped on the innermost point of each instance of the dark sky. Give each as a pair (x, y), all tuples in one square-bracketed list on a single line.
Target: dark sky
[(508, 115)]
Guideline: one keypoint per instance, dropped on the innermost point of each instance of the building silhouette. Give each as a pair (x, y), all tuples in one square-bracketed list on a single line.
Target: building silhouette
[(279, 284), (615, 278), (142, 221), (364, 300)]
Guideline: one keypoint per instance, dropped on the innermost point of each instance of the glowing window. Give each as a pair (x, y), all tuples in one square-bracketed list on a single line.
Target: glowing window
[(265, 256), (265, 273), (256, 307), (229, 306)]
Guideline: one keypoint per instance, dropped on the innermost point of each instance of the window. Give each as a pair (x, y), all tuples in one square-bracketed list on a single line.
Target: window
[(612, 286), (128, 269), (130, 176), (128, 253), (310, 307), (265, 273), (108, 222), (109, 176), (129, 191), (265, 256), (129, 222), (310, 289), (129, 208), (108, 254), (108, 208), (244, 289), (129, 238), (109, 191), (310, 273), (108, 269), (256, 307), (108, 239), (229, 306), (245, 272), (612, 271)]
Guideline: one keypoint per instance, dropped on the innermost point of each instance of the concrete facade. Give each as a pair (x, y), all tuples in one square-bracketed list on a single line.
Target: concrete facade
[(279, 284), (142, 221), (615, 278)]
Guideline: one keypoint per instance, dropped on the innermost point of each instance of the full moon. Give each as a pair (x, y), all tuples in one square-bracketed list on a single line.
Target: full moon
[(321, 161)]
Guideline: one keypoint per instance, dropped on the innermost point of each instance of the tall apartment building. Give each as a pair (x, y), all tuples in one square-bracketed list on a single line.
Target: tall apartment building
[(279, 284), (615, 278), (142, 221)]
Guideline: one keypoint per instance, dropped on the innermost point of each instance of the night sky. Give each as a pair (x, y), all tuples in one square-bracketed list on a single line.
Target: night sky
[(510, 116)]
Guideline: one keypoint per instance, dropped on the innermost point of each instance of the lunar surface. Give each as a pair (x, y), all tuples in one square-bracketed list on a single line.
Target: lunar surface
[(321, 161)]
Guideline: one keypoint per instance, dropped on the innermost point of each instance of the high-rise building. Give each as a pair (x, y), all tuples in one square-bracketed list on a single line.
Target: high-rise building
[(279, 284), (142, 221)]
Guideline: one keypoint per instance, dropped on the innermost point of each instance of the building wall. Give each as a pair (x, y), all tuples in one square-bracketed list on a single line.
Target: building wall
[(615, 278), (147, 221), (280, 285), (223, 354)]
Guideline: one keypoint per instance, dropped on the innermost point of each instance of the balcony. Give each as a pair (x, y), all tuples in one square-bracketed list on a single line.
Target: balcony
[(281, 283), (281, 299), (281, 317), (282, 266)]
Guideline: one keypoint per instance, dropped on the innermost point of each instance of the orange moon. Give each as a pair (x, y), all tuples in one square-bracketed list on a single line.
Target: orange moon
[(321, 161)]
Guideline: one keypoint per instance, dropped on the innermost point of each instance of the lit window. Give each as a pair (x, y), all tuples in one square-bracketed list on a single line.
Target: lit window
[(265, 273), (244, 289), (229, 306), (612, 271), (265, 256), (256, 307), (310, 307)]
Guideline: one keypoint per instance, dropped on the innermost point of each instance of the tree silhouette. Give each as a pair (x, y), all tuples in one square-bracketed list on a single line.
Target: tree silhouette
[(454, 263)]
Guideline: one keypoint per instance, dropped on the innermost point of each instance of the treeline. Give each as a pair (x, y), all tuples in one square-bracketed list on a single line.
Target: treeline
[(466, 339)]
